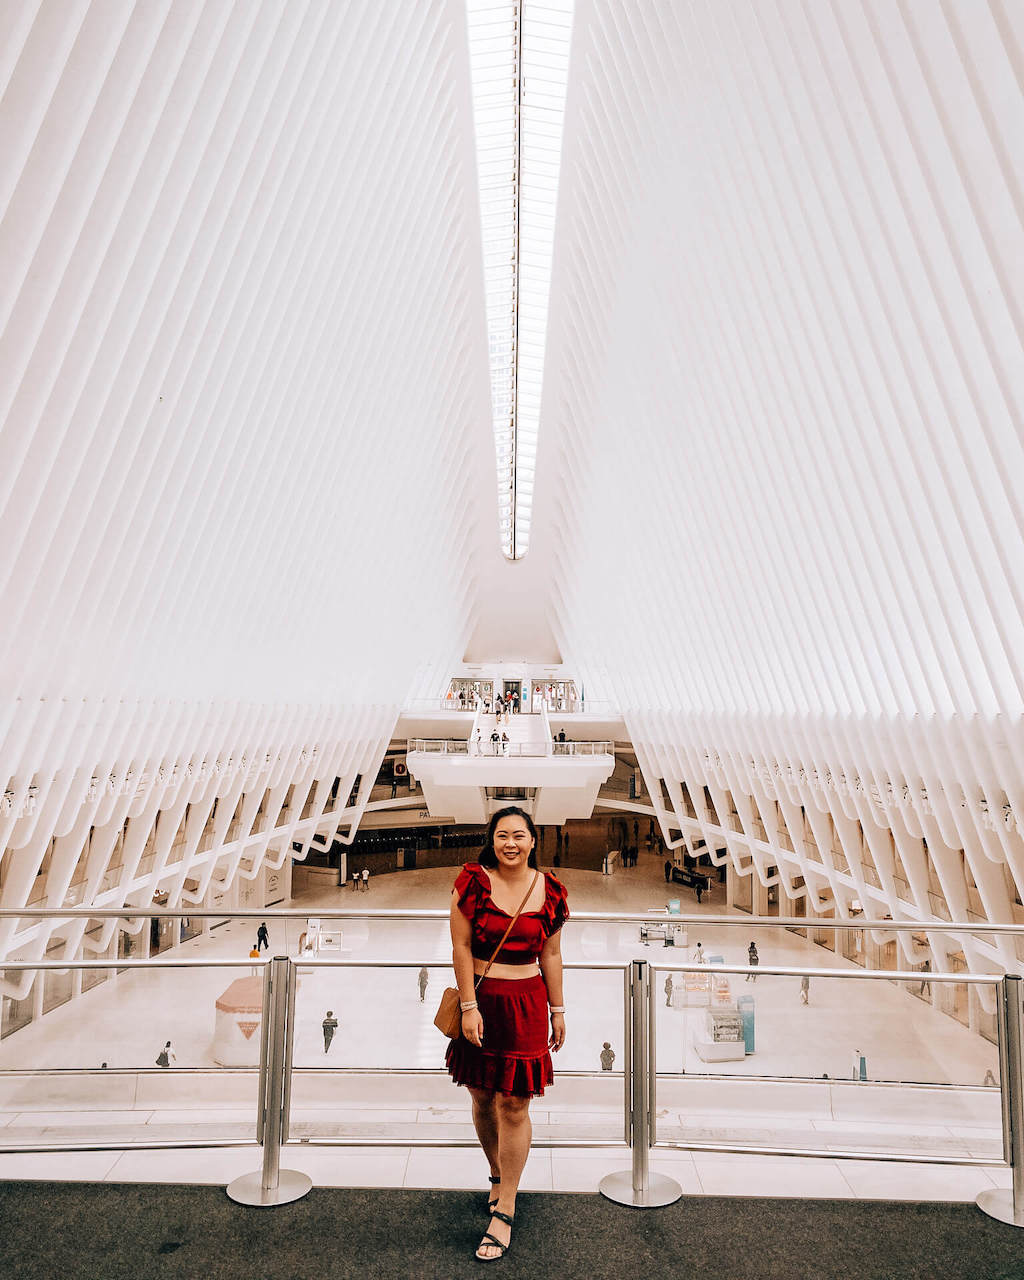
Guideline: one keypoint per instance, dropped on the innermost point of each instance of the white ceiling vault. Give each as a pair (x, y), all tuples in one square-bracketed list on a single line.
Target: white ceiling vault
[(780, 474), (246, 456)]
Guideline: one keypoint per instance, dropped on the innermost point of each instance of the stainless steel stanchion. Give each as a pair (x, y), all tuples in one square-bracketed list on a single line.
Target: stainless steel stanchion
[(272, 1184), (1008, 1205), (638, 1186)]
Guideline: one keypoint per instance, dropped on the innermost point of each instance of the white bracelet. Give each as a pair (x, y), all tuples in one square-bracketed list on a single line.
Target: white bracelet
[(558, 1008), (469, 1004)]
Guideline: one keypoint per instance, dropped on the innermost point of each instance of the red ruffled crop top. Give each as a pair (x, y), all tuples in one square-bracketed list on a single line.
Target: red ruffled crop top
[(523, 945)]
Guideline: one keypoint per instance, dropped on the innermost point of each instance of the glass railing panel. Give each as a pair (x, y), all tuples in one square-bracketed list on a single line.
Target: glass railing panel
[(804, 1062), (380, 1075), (91, 1071)]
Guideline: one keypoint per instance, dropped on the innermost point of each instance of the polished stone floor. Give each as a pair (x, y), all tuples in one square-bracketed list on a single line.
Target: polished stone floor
[(378, 1084)]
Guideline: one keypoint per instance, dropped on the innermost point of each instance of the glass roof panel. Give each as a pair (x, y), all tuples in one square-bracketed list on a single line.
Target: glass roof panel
[(519, 54)]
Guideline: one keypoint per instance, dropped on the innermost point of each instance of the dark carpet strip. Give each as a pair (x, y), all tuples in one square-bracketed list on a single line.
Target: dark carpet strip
[(109, 1232)]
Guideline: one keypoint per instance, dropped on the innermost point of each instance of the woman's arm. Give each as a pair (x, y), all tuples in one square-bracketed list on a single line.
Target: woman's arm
[(462, 962), (551, 968)]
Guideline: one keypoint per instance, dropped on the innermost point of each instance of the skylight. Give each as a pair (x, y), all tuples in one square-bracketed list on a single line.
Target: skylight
[(519, 51)]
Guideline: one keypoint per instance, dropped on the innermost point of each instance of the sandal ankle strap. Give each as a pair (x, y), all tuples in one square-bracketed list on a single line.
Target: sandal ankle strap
[(508, 1218)]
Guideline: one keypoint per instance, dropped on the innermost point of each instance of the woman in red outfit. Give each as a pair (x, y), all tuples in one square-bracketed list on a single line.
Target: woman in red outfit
[(503, 1055)]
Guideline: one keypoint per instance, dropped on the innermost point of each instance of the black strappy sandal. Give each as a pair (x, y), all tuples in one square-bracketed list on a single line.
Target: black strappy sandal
[(494, 1181), (488, 1239)]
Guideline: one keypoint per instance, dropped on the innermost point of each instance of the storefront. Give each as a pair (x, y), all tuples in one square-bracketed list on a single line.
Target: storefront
[(470, 690), (556, 695)]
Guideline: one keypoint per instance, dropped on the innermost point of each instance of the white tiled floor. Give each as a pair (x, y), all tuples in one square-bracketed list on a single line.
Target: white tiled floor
[(383, 1024)]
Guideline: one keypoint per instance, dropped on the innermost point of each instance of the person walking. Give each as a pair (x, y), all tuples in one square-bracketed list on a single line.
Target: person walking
[(166, 1056), (698, 955), (753, 960), (805, 989), (925, 984), (330, 1025), (262, 937), (495, 742), (422, 979), (668, 871), (698, 888), (506, 917), (668, 991), (607, 1056), (504, 743)]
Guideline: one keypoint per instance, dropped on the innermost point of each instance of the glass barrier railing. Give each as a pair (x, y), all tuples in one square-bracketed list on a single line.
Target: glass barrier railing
[(486, 747), (783, 1059), (427, 705), (166, 1053), (673, 1042), (565, 706)]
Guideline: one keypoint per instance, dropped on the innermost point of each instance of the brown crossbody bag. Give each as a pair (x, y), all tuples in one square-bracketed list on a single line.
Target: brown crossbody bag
[(449, 1011)]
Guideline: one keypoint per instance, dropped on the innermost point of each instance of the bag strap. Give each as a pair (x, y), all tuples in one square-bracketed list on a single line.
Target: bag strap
[(519, 912)]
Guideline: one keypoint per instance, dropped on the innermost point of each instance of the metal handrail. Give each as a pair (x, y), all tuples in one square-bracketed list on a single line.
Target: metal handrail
[(436, 913)]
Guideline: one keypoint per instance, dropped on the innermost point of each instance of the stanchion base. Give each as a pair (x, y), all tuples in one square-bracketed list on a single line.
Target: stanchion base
[(661, 1190), (248, 1189), (998, 1203)]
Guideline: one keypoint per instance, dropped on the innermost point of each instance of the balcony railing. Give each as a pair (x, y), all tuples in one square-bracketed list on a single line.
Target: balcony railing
[(486, 748), (289, 1099), (566, 706)]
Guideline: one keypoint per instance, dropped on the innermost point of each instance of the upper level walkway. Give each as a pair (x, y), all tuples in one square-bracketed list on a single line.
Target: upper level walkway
[(560, 776)]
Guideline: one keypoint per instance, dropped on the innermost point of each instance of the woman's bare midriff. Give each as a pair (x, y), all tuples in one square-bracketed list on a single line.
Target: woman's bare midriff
[(507, 971)]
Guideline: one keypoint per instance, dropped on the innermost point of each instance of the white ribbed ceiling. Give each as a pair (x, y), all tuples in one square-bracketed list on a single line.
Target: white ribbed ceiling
[(245, 430), (781, 473), (242, 351)]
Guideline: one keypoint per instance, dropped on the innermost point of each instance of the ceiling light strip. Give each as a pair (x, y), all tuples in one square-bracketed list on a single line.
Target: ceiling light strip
[(519, 55)]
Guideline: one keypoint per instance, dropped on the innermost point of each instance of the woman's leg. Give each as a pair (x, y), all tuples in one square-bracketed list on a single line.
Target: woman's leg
[(485, 1122), (515, 1133)]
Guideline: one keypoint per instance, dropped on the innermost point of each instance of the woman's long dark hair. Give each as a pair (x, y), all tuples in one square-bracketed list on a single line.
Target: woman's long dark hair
[(487, 855)]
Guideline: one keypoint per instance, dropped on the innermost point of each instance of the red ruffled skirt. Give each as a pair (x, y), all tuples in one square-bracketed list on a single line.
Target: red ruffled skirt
[(514, 1057)]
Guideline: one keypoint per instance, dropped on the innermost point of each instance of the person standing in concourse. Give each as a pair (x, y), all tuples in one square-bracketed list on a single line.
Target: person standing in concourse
[(330, 1025), (262, 937), (506, 918), (422, 980)]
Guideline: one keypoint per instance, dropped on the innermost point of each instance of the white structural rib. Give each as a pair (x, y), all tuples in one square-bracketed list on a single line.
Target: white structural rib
[(519, 51), (241, 356), (785, 388)]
